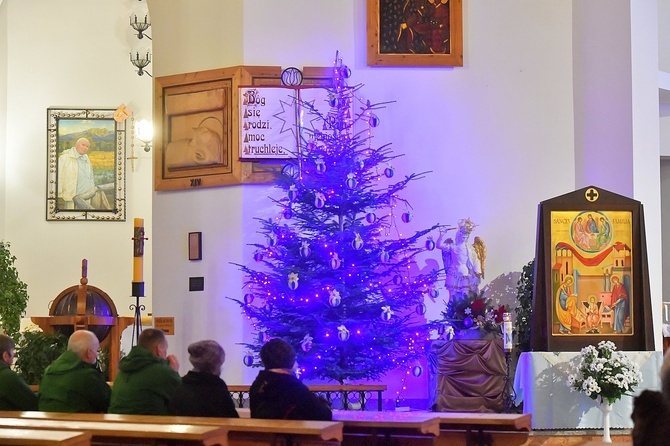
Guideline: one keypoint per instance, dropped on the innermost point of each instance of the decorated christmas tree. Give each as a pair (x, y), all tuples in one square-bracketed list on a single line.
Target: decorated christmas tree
[(335, 277)]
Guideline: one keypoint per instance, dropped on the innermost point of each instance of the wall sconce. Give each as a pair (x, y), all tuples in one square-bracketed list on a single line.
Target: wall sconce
[(145, 133), (140, 62), (140, 25)]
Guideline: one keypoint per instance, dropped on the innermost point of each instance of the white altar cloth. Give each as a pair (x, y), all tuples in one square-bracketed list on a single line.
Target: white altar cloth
[(540, 382)]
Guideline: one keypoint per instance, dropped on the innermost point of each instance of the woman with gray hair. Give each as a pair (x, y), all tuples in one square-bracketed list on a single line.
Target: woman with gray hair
[(202, 392)]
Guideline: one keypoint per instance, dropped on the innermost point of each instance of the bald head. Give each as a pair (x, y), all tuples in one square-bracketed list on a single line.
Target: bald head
[(85, 344)]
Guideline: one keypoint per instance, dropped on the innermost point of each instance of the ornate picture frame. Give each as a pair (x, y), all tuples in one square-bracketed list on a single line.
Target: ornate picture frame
[(86, 177), (415, 33)]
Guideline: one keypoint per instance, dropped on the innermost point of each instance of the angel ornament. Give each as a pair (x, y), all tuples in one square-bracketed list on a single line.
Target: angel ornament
[(463, 261)]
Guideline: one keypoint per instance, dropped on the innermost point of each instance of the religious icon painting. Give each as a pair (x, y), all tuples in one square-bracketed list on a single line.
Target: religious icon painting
[(86, 165), (415, 33), (591, 280), (591, 277)]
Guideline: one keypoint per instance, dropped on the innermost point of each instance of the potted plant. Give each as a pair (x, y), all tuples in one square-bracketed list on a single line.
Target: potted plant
[(604, 374), (13, 293), (524, 309), (35, 351)]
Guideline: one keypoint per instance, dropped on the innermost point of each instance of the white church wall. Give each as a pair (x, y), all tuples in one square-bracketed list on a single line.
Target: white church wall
[(646, 142), (73, 54), (497, 135), (186, 40), (3, 106), (663, 35)]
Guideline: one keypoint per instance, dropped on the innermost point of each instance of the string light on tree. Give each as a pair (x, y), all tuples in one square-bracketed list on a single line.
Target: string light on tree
[(354, 314)]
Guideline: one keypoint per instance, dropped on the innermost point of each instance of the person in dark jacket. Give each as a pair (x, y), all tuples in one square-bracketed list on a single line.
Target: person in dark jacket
[(147, 377), (14, 392), (73, 383), (277, 393), (202, 392), (651, 412)]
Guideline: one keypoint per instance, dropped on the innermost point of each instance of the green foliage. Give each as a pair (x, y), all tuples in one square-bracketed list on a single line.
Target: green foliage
[(103, 361), (524, 310), (13, 293), (35, 350)]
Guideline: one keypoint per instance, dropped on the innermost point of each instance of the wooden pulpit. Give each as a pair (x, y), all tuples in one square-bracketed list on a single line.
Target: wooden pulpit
[(85, 307)]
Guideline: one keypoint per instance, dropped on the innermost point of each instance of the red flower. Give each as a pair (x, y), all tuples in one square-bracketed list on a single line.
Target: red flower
[(478, 306), (499, 314)]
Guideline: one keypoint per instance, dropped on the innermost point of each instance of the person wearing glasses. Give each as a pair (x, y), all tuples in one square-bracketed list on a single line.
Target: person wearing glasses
[(73, 382)]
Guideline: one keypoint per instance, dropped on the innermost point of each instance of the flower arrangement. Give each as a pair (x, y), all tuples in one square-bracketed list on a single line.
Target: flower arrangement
[(603, 373), (471, 311)]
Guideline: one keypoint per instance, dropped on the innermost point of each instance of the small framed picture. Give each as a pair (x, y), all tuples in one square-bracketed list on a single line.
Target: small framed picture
[(415, 33), (195, 245)]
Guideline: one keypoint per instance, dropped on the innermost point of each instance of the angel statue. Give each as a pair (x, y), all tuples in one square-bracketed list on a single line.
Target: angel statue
[(463, 261)]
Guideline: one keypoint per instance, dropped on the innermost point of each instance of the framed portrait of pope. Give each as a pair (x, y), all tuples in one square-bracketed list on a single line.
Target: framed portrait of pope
[(86, 165)]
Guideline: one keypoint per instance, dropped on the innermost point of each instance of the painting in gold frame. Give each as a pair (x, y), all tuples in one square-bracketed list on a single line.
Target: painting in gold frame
[(591, 277), (415, 33)]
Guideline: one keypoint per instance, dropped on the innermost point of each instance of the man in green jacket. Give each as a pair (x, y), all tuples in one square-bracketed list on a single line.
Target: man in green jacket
[(72, 383), (14, 392), (147, 377)]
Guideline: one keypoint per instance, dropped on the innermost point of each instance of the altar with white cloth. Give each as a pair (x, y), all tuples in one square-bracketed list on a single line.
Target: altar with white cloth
[(540, 382)]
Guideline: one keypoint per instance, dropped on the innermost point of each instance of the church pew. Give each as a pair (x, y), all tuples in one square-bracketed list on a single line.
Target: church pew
[(241, 431), (396, 428), (601, 443), (127, 432), (41, 437), (457, 428), (497, 429)]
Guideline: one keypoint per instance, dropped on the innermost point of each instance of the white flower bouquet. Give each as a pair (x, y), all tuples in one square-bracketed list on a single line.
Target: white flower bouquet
[(603, 373)]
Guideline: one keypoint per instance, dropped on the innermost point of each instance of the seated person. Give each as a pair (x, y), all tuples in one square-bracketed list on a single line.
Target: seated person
[(665, 375), (147, 377), (651, 413), (277, 393), (73, 383), (202, 392), (14, 392)]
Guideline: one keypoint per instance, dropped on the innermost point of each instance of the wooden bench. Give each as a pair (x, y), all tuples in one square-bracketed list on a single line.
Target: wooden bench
[(103, 431), (497, 429), (241, 431), (41, 437), (392, 428), (600, 443)]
